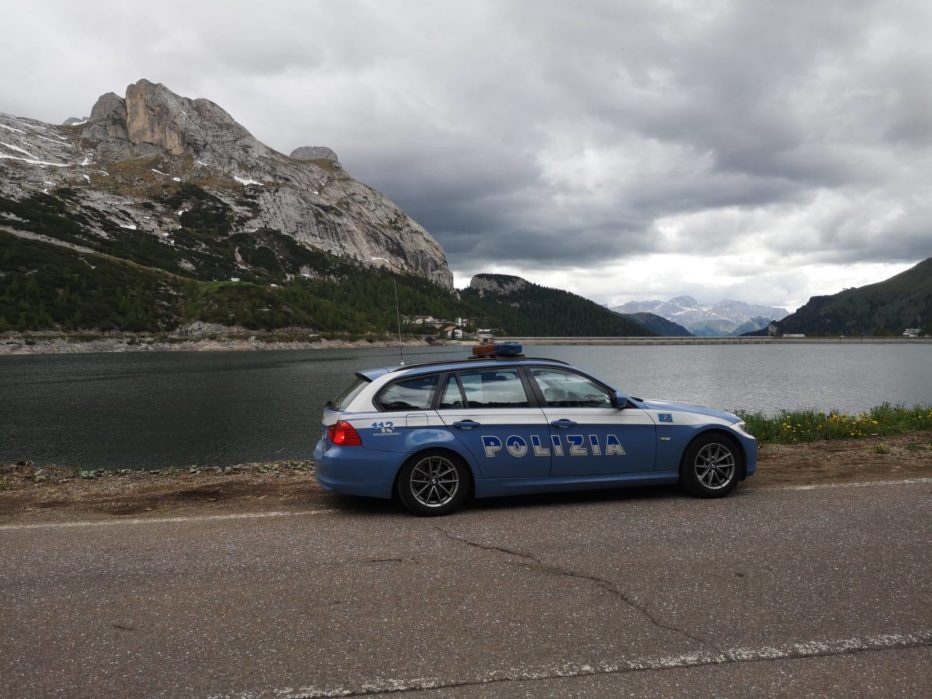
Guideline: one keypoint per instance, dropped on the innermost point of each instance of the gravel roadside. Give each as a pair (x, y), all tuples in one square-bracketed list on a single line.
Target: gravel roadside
[(43, 493)]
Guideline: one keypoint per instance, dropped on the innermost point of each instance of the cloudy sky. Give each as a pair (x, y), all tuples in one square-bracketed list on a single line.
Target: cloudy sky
[(765, 151)]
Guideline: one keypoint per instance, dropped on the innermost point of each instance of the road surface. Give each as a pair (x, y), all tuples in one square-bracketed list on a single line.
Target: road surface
[(822, 590)]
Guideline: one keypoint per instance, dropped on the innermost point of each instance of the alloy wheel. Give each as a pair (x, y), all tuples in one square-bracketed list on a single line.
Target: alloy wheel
[(434, 481), (715, 466)]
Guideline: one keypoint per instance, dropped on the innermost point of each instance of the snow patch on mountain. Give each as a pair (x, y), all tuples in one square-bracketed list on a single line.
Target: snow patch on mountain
[(728, 317)]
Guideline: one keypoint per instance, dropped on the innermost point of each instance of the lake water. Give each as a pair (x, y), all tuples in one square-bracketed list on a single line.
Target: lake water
[(176, 409)]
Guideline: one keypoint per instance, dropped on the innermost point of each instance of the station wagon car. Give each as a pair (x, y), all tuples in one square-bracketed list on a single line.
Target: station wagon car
[(436, 434)]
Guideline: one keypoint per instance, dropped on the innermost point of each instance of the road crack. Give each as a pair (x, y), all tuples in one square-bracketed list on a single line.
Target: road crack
[(533, 563)]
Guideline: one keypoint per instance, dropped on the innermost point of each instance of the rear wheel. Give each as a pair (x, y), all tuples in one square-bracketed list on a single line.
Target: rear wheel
[(711, 466), (433, 483)]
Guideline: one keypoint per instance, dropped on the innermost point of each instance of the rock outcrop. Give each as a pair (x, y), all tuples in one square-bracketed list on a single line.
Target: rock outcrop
[(139, 163), (497, 284), (314, 153)]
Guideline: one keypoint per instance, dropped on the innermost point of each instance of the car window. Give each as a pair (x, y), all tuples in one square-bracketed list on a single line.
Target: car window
[(564, 389), (411, 394), (452, 397), (494, 388), (342, 401)]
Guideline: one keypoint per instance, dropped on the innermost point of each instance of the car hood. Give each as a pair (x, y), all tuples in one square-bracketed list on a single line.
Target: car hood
[(689, 408)]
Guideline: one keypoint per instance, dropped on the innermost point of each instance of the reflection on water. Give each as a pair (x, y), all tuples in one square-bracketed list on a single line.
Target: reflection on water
[(176, 409)]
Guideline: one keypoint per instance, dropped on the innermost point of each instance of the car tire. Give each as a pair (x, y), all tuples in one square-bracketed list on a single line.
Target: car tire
[(712, 466), (433, 483)]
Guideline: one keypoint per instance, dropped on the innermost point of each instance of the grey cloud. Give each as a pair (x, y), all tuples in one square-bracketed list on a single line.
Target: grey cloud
[(543, 134)]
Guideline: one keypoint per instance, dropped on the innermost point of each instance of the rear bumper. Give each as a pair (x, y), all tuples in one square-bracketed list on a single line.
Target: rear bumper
[(356, 470)]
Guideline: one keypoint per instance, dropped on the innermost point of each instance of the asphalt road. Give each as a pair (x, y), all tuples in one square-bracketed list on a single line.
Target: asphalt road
[(821, 591)]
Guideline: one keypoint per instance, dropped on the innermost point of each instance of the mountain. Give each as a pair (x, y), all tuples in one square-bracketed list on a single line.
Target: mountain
[(885, 308), (526, 309), (723, 318), (657, 325), (177, 184)]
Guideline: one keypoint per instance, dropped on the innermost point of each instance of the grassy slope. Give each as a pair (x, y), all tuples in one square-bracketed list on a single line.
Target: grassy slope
[(657, 325), (884, 308), (44, 286)]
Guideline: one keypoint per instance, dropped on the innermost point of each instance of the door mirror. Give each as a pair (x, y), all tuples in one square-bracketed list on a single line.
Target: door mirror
[(620, 401)]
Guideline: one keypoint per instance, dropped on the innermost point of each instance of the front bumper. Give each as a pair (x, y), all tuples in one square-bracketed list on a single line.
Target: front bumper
[(751, 446)]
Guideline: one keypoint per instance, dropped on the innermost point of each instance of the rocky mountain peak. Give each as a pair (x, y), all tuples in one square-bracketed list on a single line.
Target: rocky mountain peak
[(179, 125), (144, 162), (108, 106), (107, 125)]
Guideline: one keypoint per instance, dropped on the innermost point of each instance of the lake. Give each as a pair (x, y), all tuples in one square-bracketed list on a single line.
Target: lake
[(139, 410)]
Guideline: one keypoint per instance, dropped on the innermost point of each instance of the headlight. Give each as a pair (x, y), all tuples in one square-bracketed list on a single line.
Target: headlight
[(742, 427)]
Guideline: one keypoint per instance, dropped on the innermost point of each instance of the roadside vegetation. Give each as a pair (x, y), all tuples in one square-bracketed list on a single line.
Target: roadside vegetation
[(791, 427)]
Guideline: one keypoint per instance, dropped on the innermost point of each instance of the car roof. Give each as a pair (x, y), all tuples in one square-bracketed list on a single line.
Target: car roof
[(457, 365)]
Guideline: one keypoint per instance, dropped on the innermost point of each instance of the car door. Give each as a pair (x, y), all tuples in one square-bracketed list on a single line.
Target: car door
[(589, 435), (492, 412)]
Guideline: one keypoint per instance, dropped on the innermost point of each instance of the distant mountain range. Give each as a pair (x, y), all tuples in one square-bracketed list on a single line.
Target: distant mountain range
[(706, 320), (885, 308)]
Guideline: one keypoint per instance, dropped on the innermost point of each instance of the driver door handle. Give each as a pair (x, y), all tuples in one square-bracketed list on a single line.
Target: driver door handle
[(563, 423), (465, 424)]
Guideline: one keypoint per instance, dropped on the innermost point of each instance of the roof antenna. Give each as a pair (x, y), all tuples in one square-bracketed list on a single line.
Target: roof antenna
[(401, 347)]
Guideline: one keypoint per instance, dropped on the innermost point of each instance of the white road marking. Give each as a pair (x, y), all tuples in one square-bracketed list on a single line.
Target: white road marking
[(162, 520), (786, 651), (853, 484)]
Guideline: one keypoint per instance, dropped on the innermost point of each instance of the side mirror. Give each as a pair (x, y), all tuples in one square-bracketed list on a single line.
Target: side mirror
[(620, 401)]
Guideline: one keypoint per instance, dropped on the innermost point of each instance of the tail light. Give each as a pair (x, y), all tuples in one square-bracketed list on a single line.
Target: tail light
[(343, 434)]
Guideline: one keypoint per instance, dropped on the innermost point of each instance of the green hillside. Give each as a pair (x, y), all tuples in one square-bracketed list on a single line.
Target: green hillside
[(524, 309), (656, 325), (47, 287), (885, 308), (76, 271)]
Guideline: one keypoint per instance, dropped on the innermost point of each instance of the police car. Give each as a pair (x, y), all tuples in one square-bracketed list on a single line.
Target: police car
[(503, 424)]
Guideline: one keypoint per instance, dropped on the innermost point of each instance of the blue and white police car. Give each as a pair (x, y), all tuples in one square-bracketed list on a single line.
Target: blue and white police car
[(438, 433)]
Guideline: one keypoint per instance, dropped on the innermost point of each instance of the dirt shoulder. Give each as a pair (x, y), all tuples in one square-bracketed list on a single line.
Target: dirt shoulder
[(34, 494), (40, 344)]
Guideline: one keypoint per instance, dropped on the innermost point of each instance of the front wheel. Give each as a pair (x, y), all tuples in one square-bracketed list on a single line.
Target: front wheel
[(433, 483), (711, 466)]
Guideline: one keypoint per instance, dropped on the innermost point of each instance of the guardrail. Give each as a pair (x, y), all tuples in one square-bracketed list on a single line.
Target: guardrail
[(716, 340)]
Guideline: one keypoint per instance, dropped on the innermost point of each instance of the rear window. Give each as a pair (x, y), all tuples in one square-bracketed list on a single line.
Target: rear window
[(342, 401), (410, 394)]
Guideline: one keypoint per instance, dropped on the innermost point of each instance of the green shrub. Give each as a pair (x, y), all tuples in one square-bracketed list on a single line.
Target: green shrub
[(811, 425)]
